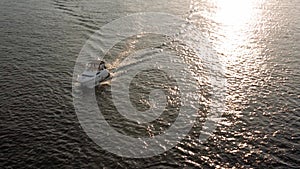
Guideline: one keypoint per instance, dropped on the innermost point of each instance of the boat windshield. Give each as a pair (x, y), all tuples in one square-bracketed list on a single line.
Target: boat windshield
[(85, 75)]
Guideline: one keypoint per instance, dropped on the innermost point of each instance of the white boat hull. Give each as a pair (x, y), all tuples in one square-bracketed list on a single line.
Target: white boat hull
[(92, 79)]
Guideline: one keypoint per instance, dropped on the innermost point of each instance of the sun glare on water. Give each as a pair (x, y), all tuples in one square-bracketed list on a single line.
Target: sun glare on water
[(237, 20), (234, 12)]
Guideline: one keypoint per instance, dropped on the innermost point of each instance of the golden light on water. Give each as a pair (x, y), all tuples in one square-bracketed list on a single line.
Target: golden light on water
[(237, 22), (237, 31), (234, 12)]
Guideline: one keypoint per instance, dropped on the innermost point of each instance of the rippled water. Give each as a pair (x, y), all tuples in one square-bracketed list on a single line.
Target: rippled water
[(258, 41)]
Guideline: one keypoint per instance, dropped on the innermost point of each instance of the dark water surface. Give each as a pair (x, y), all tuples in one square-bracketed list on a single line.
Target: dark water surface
[(257, 40)]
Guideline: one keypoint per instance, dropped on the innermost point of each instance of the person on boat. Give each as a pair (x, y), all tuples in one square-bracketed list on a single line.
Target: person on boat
[(102, 66)]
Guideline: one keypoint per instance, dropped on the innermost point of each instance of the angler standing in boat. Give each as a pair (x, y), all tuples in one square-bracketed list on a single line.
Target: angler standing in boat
[(102, 66)]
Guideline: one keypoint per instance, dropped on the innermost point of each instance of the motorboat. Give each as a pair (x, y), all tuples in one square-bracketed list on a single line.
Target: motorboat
[(95, 73)]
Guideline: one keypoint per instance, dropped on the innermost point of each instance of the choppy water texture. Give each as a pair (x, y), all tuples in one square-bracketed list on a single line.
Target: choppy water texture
[(257, 40)]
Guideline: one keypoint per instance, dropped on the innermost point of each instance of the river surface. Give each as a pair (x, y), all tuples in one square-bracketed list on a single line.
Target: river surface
[(256, 40)]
